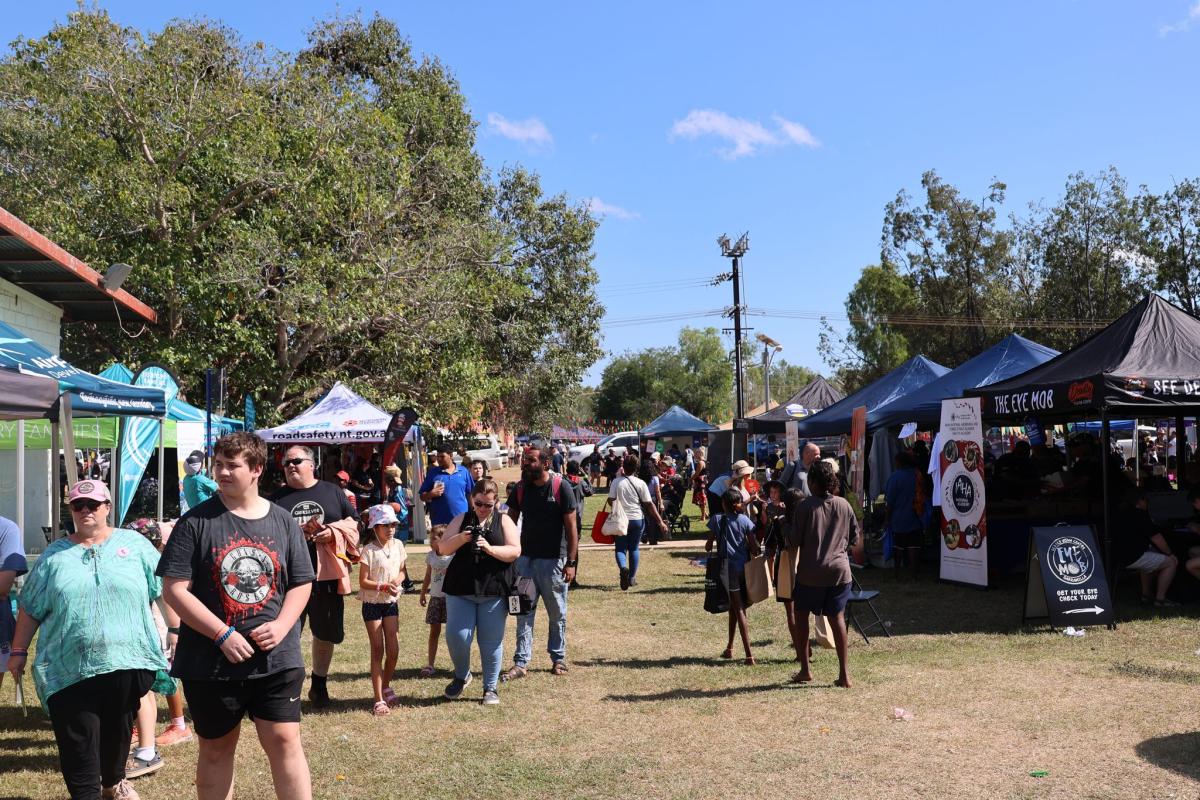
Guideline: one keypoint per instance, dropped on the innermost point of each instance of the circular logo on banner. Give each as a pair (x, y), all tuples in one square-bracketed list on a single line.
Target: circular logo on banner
[(962, 494), (1070, 560), (246, 574)]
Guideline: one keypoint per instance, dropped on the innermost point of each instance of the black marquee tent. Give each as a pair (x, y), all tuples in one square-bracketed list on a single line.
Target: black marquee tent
[(817, 395), (1146, 362)]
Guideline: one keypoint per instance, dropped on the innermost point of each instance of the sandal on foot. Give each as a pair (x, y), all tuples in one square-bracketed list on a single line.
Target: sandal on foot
[(427, 671), (380, 709), (559, 668), (513, 673), (390, 698)]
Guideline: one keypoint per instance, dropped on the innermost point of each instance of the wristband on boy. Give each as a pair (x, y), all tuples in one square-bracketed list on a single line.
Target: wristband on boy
[(220, 640)]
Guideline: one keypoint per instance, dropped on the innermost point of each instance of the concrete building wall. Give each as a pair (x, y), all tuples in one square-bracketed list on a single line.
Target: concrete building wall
[(40, 321)]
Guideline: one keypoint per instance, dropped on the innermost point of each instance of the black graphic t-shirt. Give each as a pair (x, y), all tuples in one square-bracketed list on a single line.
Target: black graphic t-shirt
[(323, 502), (240, 569)]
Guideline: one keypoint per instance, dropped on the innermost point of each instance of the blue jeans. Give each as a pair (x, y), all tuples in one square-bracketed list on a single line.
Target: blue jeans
[(628, 554), (552, 589), (466, 614)]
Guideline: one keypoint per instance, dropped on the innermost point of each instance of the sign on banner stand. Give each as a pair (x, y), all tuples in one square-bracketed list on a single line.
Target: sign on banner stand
[(962, 545), (1067, 586)]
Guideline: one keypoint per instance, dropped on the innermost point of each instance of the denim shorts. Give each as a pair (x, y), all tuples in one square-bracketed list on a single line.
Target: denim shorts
[(373, 612)]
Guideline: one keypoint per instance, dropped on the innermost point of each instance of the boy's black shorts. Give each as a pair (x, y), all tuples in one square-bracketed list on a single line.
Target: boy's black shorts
[(217, 707)]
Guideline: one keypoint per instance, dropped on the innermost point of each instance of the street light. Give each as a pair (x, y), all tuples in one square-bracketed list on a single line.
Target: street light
[(770, 348)]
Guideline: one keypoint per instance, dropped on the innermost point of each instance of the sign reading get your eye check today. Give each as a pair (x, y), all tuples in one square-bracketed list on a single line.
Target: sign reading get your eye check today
[(963, 540)]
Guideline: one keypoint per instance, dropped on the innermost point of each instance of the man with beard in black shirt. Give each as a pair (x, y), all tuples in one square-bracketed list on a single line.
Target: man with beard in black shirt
[(314, 504)]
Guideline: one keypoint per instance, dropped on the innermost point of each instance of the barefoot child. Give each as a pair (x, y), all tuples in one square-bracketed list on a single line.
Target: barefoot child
[(380, 574), (435, 606), (823, 528), (733, 534)]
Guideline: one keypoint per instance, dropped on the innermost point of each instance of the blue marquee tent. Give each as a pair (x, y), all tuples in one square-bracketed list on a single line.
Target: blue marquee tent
[(676, 422), (1011, 356), (88, 393), (909, 376)]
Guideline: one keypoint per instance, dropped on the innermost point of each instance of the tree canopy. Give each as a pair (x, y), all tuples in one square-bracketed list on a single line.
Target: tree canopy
[(299, 218)]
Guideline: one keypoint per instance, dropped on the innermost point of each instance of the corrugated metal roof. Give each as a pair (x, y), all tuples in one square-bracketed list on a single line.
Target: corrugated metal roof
[(42, 268)]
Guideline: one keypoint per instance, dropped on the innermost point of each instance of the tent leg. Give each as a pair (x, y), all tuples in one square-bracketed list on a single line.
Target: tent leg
[(55, 478), (21, 478), (1181, 445), (162, 426), (1106, 455), (68, 441)]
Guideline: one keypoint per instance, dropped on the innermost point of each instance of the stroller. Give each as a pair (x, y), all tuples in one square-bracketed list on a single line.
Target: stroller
[(674, 492)]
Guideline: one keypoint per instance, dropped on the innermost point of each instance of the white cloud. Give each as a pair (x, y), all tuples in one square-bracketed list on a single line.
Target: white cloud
[(603, 209), (797, 133), (747, 137), (527, 131), (1193, 17)]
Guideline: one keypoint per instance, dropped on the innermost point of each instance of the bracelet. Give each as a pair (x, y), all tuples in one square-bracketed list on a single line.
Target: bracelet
[(172, 630), (220, 640), (18, 652)]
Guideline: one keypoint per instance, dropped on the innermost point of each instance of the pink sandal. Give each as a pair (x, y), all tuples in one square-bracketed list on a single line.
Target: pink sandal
[(390, 698), (427, 671), (380, 709)]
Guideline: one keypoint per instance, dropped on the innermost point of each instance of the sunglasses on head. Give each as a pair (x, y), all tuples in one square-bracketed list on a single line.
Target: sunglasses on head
[(86, 505), (294, 462)]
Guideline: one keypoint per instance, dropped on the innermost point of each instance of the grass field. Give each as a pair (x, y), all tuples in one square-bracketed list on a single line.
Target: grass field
[(650, 711)]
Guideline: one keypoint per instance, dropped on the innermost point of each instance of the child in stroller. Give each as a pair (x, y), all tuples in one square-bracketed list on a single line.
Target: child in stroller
[(674, 490)]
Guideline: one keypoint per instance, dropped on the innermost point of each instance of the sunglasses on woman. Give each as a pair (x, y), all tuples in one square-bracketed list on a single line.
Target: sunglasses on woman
[(478, 504), (85, 505)]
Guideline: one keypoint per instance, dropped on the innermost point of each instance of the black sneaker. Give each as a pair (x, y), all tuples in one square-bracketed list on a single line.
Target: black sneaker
[(624, 579), (319, 697), (454, 688)]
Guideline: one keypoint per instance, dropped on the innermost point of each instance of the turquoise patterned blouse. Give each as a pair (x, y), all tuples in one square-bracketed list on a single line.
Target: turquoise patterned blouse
[(94, 607)]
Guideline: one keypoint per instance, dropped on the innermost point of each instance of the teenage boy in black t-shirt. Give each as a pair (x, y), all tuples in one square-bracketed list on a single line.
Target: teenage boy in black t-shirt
[(236, 571)]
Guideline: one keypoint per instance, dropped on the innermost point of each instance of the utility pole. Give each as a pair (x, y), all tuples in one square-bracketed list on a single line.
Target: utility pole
[(735, 251)]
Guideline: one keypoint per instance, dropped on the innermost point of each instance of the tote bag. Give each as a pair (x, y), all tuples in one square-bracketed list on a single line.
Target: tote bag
[(785, 573), (758, 580)]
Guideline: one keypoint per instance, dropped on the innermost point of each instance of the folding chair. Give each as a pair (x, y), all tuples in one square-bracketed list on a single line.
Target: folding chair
[(860, 595)]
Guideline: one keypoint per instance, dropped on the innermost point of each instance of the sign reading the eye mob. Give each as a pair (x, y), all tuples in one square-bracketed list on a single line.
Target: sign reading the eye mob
[(1068, 584), (963, 540)]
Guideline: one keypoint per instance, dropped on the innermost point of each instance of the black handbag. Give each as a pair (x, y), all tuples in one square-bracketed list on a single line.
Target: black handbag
[(522, 597), (716, 594)]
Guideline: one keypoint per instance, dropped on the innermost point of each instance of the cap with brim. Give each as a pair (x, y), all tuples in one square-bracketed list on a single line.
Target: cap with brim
[(343, 475), (90, 490), (393, 472), (381, 515), (741, 468)]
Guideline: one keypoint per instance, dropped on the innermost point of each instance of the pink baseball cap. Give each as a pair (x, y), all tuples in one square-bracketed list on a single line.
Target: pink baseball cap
[(343, 475), (91, 490)]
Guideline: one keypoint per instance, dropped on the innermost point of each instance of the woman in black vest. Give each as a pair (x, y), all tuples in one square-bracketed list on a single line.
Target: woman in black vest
[(477, 585)]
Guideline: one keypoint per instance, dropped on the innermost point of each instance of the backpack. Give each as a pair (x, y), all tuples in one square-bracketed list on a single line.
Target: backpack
[(555, 488)]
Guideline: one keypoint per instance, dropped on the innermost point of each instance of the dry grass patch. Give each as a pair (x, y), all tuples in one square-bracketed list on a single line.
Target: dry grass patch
[(649, 711)]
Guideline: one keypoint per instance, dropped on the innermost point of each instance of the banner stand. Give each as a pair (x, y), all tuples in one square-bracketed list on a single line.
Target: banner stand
[(1065, 580)]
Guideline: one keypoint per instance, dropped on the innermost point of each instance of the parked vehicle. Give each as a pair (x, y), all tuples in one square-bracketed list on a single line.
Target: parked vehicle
[(619, 443), (482, 447)]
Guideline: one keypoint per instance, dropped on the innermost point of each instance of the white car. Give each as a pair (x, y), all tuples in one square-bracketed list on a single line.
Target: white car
[(484, 447), (619, 443)]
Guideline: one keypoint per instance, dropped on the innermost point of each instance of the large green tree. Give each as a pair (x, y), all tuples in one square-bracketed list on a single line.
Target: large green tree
[(874, 345), (298, 218), (696, 374), (1169, 225)]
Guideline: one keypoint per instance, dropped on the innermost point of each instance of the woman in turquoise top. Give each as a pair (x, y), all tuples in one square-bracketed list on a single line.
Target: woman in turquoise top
[(89, 596)]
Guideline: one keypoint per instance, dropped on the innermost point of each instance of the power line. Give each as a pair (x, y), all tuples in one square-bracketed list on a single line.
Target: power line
[(903, 320)]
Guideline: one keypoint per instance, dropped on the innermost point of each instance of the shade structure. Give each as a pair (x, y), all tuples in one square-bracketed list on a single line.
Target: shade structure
[(676, 422), (1145, 363), (909, 376), (814, 397), (341, 416), (89, 393), (25, 396), (1010, 356)]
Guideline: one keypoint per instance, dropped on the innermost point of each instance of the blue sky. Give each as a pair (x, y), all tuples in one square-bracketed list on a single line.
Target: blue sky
[(794, 121)]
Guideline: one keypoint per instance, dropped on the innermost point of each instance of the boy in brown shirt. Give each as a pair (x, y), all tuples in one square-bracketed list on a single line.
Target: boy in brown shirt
[(823, 528)]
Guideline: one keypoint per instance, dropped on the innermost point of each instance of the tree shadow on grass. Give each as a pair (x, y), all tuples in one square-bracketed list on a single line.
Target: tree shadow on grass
[(678, 661), (1176, 752), (708, 694)]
